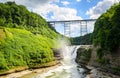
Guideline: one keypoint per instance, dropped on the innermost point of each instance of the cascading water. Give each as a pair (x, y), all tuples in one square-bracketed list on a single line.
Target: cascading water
[(68, 69)]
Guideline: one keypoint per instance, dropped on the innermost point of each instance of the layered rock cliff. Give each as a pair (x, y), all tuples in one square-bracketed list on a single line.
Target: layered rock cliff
[(105, 53)]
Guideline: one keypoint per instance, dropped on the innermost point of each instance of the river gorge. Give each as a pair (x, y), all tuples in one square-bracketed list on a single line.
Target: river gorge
[(31, 46), (68, 68)]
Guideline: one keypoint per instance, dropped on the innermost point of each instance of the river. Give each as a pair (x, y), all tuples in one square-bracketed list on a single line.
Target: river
[(68, 69)]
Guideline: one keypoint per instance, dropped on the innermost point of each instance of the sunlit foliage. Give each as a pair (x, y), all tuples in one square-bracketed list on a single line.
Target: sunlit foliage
[(25, 38), (107, 29)]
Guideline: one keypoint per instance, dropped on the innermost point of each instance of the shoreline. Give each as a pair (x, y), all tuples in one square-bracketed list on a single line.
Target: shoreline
[(27, 72), (95, 73)]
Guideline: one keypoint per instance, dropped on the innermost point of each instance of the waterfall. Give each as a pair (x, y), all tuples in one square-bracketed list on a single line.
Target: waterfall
[(68, 69)]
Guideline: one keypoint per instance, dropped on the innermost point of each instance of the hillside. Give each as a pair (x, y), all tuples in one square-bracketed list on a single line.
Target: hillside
[(107, 40), (107, 29), (105, 53), (26, 40)]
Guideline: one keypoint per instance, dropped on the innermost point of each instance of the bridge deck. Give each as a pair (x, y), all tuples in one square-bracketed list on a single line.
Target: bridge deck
[(71, 20), (83, 25)]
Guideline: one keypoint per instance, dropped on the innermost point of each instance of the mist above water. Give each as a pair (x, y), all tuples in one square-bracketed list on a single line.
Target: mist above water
[(68, 69)]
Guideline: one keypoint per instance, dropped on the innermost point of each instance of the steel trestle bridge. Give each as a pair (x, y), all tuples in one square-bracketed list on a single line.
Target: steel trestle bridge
[(83, 25)]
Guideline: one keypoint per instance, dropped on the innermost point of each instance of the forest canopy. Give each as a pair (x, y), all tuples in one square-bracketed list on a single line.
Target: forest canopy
[(107, 29)]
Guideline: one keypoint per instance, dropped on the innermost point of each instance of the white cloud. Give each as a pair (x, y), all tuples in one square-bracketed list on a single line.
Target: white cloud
[(2, 1), (88, 0), (62, 13), (65, 3), (90, 26), (78, 0), (59, 13), (100, 8), (33, 3), (43, 7)]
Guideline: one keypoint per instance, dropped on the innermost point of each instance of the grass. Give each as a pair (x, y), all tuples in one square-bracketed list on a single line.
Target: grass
[(23, 48), (2, 34)]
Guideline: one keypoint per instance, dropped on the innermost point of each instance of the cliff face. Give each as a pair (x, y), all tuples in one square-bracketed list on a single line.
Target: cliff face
[(106, 36), (110, 63), (105, 53), (83, 55)]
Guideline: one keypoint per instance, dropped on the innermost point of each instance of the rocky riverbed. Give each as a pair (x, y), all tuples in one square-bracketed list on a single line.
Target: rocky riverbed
[(27, 72), (93, 69), (96, 73)]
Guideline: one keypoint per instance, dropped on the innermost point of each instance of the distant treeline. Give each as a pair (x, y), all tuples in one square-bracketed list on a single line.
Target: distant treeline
[(82, 40)]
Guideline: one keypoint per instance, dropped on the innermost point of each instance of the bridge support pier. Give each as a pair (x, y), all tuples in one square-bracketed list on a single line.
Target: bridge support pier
[(83, 28), (67, 29)]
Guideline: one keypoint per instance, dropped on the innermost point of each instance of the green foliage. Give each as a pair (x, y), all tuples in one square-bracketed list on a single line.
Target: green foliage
[(117, 69), (100, 53), (87, 54), (17, 16), (82, 40), (107, 30), (102, 61), (2, 34), (22, 48), (3, 64), (25, 38)]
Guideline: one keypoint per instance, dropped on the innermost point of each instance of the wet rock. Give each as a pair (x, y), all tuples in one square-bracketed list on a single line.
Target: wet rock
[(58, 54), (111, 66), (111, 61), (83, 56)]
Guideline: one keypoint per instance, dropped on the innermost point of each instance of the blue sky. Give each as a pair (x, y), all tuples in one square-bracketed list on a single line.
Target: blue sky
[(81, 6), (67, 9)]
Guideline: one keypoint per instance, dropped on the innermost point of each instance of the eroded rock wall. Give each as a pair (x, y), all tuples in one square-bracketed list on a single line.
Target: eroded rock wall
[(110, 62)]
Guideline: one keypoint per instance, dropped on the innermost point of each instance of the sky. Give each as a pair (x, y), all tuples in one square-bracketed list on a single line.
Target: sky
[(56, 10)]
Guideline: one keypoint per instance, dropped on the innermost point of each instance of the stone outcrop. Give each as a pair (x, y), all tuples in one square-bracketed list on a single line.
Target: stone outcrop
[(83, 55), (110, 61), (58, 54)]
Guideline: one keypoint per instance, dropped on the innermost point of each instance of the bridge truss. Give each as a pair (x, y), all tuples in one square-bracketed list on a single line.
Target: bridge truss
[(83, 25)]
